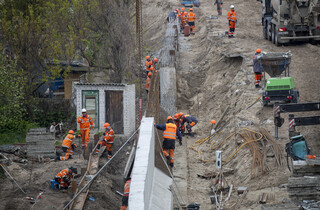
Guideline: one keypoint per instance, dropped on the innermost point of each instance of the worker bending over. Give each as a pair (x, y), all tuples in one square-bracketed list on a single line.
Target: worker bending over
[(178, 122), (148, 82), (219, 4), (126, 191), (191, 18), (68, 146), (85, 121), (257, 68), (65, 176), (232, 18), (191, 121), (107, 140), (170, 133)]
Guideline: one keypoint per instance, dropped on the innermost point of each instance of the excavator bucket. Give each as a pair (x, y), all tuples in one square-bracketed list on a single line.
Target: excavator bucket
[(275, 63)]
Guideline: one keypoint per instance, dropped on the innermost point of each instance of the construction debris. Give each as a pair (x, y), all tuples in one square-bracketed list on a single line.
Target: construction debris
[(213, 174), (241, 190), (40, 144)]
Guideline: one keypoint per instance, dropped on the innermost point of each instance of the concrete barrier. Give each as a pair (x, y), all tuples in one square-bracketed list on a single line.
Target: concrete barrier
[(149, 187)]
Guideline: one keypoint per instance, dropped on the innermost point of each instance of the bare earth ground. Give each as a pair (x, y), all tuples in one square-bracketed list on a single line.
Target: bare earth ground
[(208, 82), (215, 72)]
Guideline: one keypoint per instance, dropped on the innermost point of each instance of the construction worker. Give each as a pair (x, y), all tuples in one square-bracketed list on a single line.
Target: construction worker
[(148, 64), (183, 18), (68, 146), (148, 82), (191, 18), (170, 132), (232, 18), (155, 64), (107, 140), (219, 4), (64, 177), (85, 121), (178, 121), (191, 121), (172, 16), (256, 68), (126, 191)]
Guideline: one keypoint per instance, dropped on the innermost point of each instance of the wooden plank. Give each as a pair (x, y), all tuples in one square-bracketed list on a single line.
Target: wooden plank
[(93, 165)]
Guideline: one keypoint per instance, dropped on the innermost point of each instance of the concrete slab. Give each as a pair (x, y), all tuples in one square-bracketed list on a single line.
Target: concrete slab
[(168, 90)]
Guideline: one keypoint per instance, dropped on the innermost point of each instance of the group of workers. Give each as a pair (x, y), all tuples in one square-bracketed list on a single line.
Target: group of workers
[(68, 146), (151, 68), (174, 128), (189, 18)]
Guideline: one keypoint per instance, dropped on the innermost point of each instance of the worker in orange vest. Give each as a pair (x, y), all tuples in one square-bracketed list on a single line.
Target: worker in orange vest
[(170, 133), (148, 64), (148, 82), (191, 18), (155, 64), (257, 68), (68, 146), (85, 121), (232, 18), (219, 4), (65, 176), (107, 140), (126, 191), (178, 121), (191, 121)]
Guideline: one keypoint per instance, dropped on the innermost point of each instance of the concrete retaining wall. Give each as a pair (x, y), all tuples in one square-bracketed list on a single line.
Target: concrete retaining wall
[(149, 186)]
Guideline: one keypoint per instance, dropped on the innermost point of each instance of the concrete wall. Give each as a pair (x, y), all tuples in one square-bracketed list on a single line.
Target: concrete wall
[(149, 186), (128, 103), (168, 90)]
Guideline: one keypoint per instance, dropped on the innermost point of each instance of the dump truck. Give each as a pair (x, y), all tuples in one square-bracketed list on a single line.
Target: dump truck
[(280, 86), (288, 20)]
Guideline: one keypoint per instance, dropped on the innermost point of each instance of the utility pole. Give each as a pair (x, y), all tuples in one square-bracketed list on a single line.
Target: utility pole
[(138, 48)]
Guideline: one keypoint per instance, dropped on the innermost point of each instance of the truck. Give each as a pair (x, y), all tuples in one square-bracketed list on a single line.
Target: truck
[(285, 21), (280, 86), (190, 3)]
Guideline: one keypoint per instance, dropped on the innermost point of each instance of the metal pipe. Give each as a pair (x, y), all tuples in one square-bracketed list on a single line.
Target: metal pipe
[(12, 178), (93, 178), (184, 202)]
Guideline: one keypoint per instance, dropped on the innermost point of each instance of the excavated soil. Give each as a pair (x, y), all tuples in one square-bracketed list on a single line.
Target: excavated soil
[(214, 73)]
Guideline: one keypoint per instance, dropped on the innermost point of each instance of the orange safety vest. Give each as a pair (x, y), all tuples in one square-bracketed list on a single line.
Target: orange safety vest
[(85, 122), (183, 16), (109, 136), (67, 142), (232, 16), (127, 188), (148, 83), (148, 65), (170, 132), (191, 17), (63, 173)]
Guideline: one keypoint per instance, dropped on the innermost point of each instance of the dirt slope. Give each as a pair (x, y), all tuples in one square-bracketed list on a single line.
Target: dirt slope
[(215, 73)]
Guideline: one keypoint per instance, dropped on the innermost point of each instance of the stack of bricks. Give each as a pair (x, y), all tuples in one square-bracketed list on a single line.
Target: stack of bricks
[(40, 143)]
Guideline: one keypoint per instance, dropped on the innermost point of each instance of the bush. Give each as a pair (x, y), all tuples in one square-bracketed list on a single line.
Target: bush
[(16, 132)]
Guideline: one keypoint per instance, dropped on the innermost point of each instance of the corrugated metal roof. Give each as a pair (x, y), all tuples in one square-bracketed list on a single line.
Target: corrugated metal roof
[(100, 84)]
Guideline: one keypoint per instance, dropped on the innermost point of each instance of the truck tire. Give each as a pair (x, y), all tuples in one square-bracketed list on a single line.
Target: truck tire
[(272, 33), (265, 30), (276, 37), (268, 31), (265, 103)]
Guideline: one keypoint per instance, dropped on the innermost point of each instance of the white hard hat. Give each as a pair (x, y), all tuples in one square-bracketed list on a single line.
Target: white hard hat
[(83, 110), (232, 7)]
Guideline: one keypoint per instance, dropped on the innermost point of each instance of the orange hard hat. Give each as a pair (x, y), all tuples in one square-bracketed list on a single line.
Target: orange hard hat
[(180, 114), (176, 116), (182, 9), (151, 68), (71, 132), (149, 74), (155, 60), (106, 125), (190, 9), (213, 122), (169, 118), (258, 50), (148, 57)]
